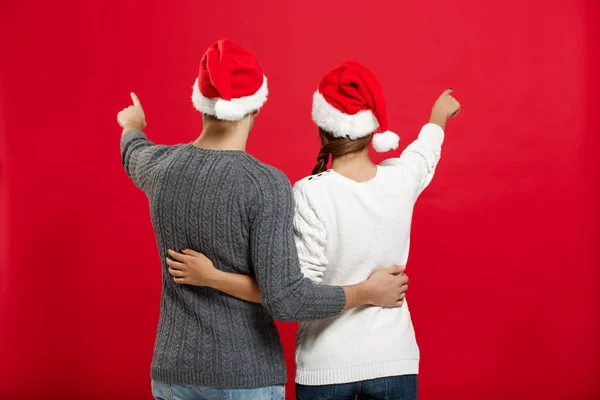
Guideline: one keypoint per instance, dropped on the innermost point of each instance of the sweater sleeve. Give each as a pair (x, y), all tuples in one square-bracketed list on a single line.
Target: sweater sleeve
[(139, 157), (421, 157), (311, 237), (287, 294)]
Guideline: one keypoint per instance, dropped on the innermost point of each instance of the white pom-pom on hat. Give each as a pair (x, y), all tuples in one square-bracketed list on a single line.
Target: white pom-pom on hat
[(385, 141)]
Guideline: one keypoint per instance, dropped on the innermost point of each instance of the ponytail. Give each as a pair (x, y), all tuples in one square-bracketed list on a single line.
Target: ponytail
[(323, 157), (321, 166)]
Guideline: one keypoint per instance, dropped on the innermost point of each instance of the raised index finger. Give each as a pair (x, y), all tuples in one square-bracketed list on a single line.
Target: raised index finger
[(136, 101)]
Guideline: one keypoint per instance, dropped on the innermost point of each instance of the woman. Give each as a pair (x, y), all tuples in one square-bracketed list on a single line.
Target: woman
[(350, 220)]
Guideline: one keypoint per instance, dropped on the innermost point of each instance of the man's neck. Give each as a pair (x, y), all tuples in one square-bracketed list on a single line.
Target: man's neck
[(220, 136)]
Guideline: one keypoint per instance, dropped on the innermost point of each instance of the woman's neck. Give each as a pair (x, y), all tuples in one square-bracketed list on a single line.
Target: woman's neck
[(357, 166)]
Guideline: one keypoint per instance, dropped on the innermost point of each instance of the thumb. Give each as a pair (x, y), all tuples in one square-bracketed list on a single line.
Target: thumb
[(397, 269), (136, 101)]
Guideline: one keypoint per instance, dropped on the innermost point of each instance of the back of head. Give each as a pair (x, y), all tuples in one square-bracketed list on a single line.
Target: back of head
[(230, 83), (337, 147), (349, 107)]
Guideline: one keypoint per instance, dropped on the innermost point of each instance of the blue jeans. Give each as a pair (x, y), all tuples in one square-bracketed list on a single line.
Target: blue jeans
[(170, 391), (403, 387)]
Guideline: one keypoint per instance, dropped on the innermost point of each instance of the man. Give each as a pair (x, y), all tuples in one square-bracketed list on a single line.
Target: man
[(211, 196)]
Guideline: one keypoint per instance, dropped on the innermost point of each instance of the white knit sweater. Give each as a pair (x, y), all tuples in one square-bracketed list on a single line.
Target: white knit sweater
[(345, 230)]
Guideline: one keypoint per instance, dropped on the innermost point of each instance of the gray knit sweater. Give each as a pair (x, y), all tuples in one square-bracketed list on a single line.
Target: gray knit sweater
[(238, 211)]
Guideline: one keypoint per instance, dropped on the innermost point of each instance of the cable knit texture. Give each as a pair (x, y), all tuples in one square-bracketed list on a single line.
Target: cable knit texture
[(344, 231), (239, 212)]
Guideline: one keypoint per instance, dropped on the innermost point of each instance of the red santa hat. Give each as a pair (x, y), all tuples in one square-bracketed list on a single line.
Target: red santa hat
[(230, 84), (350, 103)]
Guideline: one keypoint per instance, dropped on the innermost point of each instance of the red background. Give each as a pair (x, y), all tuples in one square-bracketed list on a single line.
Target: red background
[(504, 263)]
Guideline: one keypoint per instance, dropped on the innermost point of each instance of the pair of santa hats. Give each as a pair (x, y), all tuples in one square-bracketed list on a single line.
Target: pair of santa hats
[(348, 103)]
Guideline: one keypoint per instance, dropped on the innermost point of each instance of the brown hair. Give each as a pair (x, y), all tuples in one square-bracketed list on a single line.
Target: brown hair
[(337, 147)]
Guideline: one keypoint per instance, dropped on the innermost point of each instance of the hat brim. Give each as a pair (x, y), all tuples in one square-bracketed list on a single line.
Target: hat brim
[(339, 124), (230, 110)]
